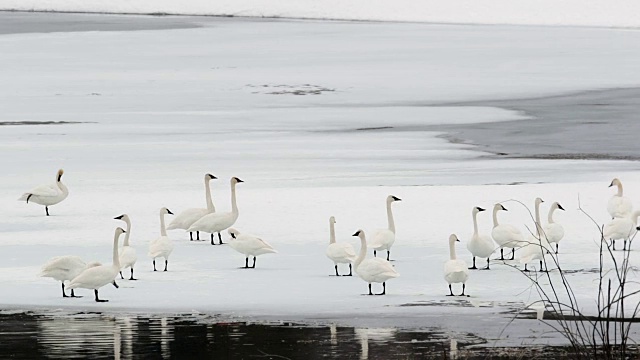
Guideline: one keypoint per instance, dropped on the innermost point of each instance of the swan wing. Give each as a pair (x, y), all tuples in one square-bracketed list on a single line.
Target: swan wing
[(94, 277), (341, 252), (455, 271), (186, 218), (619, 206), (382, 239), (377, 268), (42, 190), (128, 256), (214, 222), (63, 267)]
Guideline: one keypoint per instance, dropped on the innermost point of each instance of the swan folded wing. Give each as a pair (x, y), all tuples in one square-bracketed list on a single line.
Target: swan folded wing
[(265, 246), (554, 232), (378, 268), (128, 256), (186, 218), (42, 190), (507, 235), (481, 246), (455, 271), (382, 239), (341, 251), (212, 222), (93, 277), (62, 263), (619, 206)]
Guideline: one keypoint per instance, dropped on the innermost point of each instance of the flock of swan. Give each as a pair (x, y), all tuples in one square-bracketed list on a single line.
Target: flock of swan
[(535, 246)]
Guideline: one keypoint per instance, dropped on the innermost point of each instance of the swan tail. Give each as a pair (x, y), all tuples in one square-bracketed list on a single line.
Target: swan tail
[(25, 197)]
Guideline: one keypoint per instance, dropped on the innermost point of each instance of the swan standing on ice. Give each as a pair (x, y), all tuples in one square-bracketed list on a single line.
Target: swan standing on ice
[(128, 256), (99, 276), (47, 195), (64, 268), (621, 228), (537, 245), (480, 245), (383, 239), (505, 235), (373, 270), (162, 246), (554, 231), (216, 222), (619, 206), (339, 253), (249, 245), (455, 270), (185, 219)]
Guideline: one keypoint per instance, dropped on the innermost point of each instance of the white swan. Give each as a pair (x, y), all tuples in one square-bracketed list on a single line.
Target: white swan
[(537, 245), (619, 206), (128, 256), (249, 245), (553, 231), (99, 276), (47, 195), (162, 246), (339, 253), (621, 228), (455, 270), (217, 221), (383, 239), (373, 270), (185, 219), (480, 245), (63, 268), (505, 235)]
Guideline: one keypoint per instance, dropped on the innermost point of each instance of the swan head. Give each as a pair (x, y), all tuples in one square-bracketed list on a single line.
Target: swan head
[(615, 182), (453, 238), (332, 220), (360, 234), (498, 207), (477, 209), (558, 206), (235, 180), (59, 176), (120, 231), (209, 177), (123, 217), (539, 201), (164, 211), (392, 198), (233, 232)]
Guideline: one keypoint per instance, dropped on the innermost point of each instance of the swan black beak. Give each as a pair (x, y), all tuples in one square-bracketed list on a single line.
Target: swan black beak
[(504, 208), (357, 233), (233, 235), (116, 285), (211, 176), (638, 228), (238, 180), (560, 207), (480, 209), (396, 198), (610, 185), (119, 217), (169, 212)]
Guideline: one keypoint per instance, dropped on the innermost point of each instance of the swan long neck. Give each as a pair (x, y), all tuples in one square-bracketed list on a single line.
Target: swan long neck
[(363, 251), (163, 229), (234, 206), (116, 258), (62, 187), (126, 235), (634, 217), (207, 191), (550, 217), (332, 233), (619, 188), (495, 217), (475, 223), (392, 225), (538, 225), (452, 250)]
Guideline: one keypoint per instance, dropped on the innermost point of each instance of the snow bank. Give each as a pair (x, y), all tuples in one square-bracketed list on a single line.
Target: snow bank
[(622, 13)]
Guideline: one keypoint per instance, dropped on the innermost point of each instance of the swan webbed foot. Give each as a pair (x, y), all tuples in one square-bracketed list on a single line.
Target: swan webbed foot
[(388, 253), (370, 292), (154, 265), (336, 267), (513, 254), (73, 295), (132, 278), (166, 264), (350, 273), (556, 248), (450, 291), (212, 242), (488, 263), (473, 268), (254, 263), (97, 299), (384, 289), (463, 287)]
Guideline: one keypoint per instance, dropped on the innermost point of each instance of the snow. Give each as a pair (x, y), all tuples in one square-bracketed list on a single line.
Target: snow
[(541, 12), (159, 109)]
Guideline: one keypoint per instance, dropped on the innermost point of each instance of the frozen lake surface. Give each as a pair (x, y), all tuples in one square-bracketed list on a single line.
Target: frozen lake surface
[(319, 119)]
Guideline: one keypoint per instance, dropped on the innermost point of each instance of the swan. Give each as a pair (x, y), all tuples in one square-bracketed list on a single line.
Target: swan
[(128, 256), (554, 231), (99, 276), (64, 268), (383, 239), (47, 195), (249, 245), (186, 218), (455, 270), (162, 246), (505, 235), (216, 222), (537, 245), (373, 270), (339, 253), (621, 228), (480, 245), (619, 206)]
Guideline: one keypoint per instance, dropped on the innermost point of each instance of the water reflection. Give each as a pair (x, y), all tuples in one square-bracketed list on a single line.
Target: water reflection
[(96, 336)]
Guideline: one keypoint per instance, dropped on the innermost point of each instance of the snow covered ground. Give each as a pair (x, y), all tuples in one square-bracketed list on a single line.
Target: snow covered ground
[(318, 119)]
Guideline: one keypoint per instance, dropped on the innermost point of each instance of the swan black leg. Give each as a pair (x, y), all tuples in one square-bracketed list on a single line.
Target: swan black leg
[(246, 262), (513, 253), (212, 243), (121, 277), (501, 253), (350, 274), (450, 291), (46, 209), (487, 268), (384, 289), (63, 294), (220, 239), (132, 278), (525, 268), (115, 285), (370, 293), (190, 236), (541, 269), (336, 266), (154, 265), (254, 263), (166, 263), (624, 246), (74, 295), (388, 253), (463, 287), (613, 242), (374, 253), (556, 248), (198, 235), (98, 300), (474, 263)]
